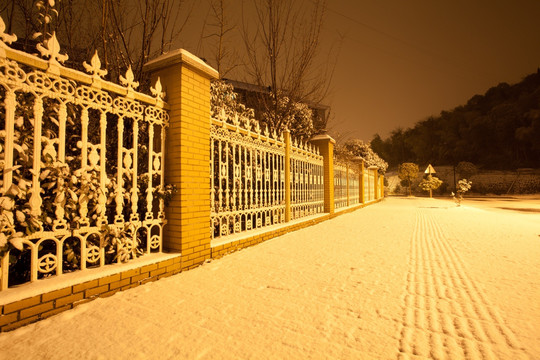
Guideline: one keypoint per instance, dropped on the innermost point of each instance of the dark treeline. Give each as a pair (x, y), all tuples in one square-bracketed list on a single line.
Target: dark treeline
[(497, 130)]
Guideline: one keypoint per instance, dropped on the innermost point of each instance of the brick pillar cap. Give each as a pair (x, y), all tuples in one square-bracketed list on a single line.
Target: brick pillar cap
[(373, 168), (181, 56), (323, 137)]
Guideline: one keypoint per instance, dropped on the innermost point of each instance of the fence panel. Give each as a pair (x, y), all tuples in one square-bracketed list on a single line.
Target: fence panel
[(370, 190), (354, 185), (340, 184), (248, 178), (82, 163), (307, 181)]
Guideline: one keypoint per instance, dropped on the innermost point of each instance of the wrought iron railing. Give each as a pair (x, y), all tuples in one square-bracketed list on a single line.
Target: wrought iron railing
[(354, 185), (307, 181), (369, 185), (340, 184), (82, 166), (248, 177)]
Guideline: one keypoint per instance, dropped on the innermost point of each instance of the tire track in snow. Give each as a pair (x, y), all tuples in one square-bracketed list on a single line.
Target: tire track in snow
[(446, 314)]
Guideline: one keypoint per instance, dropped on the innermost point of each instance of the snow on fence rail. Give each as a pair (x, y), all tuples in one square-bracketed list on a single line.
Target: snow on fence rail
[(82, 162), (248, 177)]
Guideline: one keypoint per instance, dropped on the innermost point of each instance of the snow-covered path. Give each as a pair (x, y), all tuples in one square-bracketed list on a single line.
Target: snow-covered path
[(406, 278)]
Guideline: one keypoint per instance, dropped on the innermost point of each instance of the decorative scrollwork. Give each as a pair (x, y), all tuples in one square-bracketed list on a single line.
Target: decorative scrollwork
[(47, 263), (155, 242), (92, 254)]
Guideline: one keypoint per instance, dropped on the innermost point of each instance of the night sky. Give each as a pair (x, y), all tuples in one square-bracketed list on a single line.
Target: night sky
[(403, 61), (399, 62)]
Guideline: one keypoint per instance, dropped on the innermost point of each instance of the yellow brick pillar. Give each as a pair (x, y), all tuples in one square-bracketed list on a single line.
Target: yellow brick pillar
[(362, 184), (186, 82), (325, 143), (382, 185)]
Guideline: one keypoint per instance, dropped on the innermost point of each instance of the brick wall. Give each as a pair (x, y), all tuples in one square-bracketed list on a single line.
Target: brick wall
[(22, 312)]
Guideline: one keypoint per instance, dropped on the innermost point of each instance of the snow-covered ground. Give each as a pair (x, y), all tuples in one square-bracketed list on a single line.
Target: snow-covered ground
[(406, 278)]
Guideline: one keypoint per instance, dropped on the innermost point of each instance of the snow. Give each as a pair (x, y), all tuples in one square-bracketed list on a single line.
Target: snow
[(406, 278)]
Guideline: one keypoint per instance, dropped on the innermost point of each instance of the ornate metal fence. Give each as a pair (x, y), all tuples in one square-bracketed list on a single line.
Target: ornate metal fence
[(354, 185), (369, 184), (82, 162), (248, 177), (307, 186), (340, 184)]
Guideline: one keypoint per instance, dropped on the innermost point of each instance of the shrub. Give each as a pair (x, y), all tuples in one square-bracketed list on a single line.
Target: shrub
[(430, 183), (463, 186)]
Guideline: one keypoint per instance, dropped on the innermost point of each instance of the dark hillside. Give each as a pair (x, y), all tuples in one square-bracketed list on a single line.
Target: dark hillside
[(497, 130)]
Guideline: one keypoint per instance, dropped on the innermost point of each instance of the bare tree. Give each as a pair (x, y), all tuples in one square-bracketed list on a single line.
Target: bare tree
[(282, 48), (126, 33), (134, 31), (218, 32)]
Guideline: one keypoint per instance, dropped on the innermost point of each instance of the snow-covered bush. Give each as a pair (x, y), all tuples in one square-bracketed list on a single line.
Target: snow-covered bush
[(224, 102), (357, 148), (430, 183), (463, 186), (285, 113)]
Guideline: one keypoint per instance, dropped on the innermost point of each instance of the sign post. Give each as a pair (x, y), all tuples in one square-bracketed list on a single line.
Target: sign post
[(430, 170)]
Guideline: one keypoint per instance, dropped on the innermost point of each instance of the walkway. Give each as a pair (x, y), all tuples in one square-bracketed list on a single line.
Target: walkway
[(406, 278)]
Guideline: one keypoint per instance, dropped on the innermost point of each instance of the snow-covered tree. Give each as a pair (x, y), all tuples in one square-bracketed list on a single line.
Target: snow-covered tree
[(357, 148), (430, 183), (224, 101), (289, 114), (408, 172)]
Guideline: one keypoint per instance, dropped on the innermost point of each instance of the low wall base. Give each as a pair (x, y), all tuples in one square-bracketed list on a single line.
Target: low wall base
[(35, 307)]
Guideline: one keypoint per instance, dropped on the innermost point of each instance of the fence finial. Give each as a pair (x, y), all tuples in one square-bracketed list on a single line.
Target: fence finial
[(52, 50), (129, 80), (6, 38), (94, 67), (247, 123), (157, 90)]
